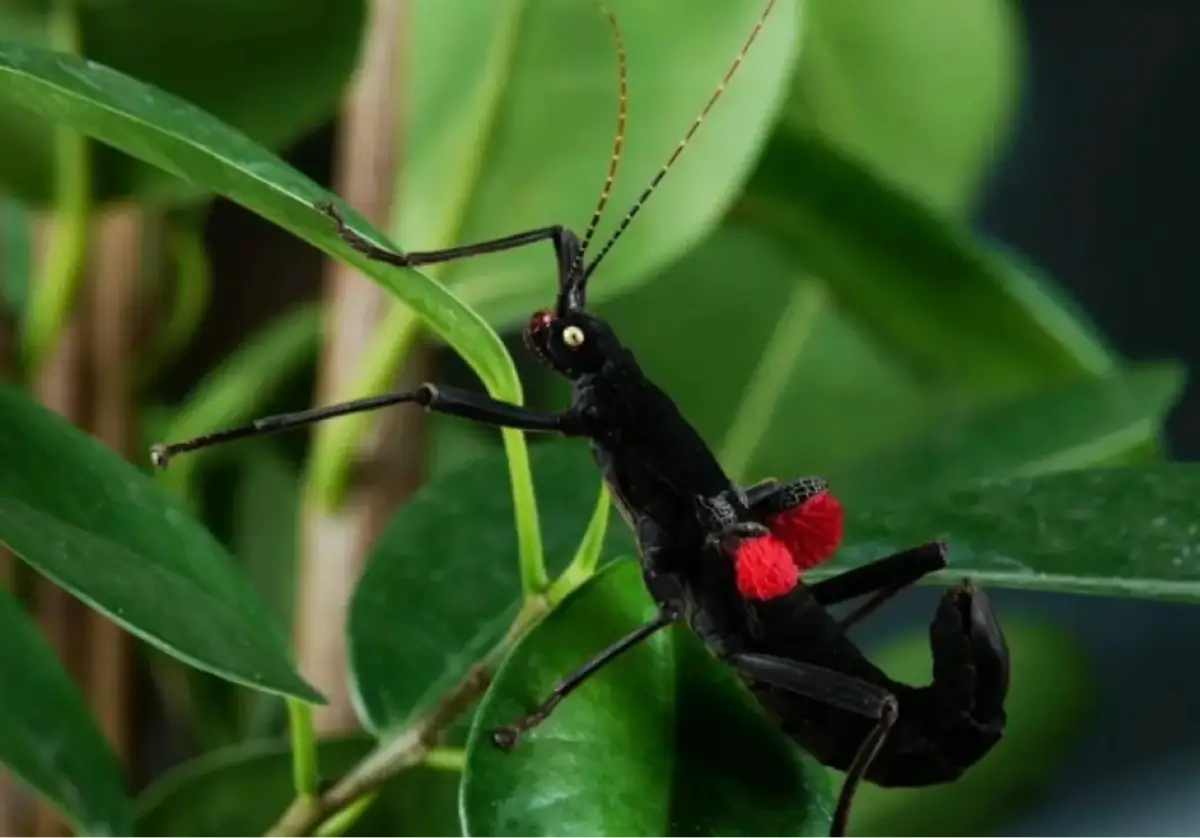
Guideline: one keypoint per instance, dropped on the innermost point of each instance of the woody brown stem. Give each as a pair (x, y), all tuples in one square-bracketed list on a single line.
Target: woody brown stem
[(336, 542)]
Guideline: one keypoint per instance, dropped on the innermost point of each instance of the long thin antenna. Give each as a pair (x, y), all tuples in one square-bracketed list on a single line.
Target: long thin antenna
[(618, 143), (645, 196)]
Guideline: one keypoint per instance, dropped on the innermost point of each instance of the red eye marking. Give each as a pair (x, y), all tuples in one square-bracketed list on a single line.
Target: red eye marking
[(541, 320), (811, 531), (765, 568)]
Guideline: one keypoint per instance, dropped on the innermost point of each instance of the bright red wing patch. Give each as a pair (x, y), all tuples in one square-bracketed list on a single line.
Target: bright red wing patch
[(765, 568), (812, 531)]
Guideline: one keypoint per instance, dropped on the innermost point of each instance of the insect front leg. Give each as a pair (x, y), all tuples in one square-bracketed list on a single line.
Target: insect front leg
[(566, 245), (883, 578), (835, 689), (508, 736)]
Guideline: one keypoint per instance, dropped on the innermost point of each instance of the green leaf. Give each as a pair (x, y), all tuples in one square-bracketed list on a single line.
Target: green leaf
[(923, 90), (48, 737), (665, 741), (512, 110), (945, 305), (291, 60), (1124, 531), (167, 132), (242, 790), (266, 507), (1081, 424), (852, 400), (103, 530), (1051, 701), (440, 588)]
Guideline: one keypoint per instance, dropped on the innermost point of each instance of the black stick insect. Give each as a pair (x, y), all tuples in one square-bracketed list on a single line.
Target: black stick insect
[(723, 557)]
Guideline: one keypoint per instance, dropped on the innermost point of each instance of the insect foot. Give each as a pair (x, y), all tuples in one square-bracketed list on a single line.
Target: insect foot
[(506, 738)]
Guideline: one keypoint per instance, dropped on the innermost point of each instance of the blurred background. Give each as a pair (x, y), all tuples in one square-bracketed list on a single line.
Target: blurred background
[(1051, 129)]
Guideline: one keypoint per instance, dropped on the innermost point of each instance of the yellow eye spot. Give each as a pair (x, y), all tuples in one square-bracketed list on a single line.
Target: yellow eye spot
[(573, 337)]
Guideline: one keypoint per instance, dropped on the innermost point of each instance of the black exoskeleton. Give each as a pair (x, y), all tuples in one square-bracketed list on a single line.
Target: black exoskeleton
[(690, 519)]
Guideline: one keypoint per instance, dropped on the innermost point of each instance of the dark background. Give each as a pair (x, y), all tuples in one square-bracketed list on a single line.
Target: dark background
[(1097, 186)]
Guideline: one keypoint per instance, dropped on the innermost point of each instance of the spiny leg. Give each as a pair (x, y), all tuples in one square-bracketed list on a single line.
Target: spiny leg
[(720, 518), (770, 497), (835, 689), (884, 578), (508, 736), (452, 401)]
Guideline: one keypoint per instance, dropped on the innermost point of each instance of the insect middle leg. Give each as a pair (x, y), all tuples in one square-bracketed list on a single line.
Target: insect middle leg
[(836, 689)]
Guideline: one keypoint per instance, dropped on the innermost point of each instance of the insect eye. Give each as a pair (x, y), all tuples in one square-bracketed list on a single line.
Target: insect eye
[(573, 337)]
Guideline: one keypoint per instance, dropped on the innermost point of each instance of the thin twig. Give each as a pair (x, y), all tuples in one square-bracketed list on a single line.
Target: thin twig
[(336, 541), (410, 748)]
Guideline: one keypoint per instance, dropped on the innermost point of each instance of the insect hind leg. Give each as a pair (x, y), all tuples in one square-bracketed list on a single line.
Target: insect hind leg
[(883, 579)]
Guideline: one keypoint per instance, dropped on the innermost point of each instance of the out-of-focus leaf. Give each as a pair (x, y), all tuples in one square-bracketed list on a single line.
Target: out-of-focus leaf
[(290, 60), (700, 329), (923, 90), (242, 790), (1084, 423), (1123, 531), (511, 114), (665, 741), (944, 304), (441, 585), (1050, 703), (48, 737), (102, 529), (170, 133)]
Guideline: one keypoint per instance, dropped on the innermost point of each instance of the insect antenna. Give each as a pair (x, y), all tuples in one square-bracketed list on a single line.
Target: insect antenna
[(687, 138), (618, 142), (571, 294)]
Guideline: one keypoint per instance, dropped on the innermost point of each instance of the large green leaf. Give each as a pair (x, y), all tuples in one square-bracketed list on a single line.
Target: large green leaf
[(174, 135), (944, 303), (48, 737), (441, 586), (104, 531), (511, 113), (1051, 699), (923, 90), (290, 59), (242, 790), (1126, 531), (664, 741), (1081, 424), (717, 310)]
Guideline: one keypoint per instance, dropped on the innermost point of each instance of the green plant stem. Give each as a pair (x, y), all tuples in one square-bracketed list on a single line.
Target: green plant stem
[(304, 748), (770, 377), (587, 557), (412, 745), (446, 759), (193, 287), (346, 818), (54, 292), (532, 563), (334, 443)]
